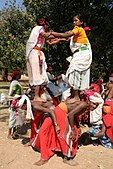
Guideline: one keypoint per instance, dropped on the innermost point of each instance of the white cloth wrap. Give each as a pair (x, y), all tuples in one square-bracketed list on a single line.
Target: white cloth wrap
[(96, 114), (78, 72), (32, 41), (29, 114)]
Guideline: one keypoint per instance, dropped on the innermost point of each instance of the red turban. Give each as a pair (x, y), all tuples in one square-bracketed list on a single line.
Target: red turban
[(15, 73)]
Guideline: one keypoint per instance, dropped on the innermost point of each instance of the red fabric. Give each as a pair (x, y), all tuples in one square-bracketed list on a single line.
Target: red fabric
[(34, 124), (64, 142), (109, 102), (47, 141), (15, 73), (55, 101), (108, 120), (87, 28), (96, 87)]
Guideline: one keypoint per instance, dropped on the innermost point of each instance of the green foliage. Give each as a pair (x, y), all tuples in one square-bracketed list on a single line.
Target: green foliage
[(97, 14), (13, 35), (17, 24)]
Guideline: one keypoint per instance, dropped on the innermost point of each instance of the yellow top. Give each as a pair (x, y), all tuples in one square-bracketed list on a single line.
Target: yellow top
[(79, 35)]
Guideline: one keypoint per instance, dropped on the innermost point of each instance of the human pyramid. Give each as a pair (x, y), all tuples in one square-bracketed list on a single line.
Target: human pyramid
[(56, 114)]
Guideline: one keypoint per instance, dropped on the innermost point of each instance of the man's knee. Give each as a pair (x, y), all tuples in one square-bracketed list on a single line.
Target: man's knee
[(83, 105)]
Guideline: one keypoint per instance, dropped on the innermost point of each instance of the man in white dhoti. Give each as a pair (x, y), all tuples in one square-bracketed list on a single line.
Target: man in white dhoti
[(78, 72), (36, 64)]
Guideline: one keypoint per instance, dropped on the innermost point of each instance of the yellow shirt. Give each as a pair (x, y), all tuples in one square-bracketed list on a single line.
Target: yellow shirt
[(79, 35)]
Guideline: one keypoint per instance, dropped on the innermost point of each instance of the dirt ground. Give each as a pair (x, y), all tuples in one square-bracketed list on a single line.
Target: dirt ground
[(14, 155)]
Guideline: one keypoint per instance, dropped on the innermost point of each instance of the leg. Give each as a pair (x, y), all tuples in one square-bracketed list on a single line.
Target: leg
[(69, 161), (45, 141), (37, 89), (37, 94), (14, 134), (79, 109), (75, 83), (10, 133), (41, 162)]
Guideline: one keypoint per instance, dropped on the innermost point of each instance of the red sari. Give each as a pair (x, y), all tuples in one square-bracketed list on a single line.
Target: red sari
[(47, 141), (108, 119)]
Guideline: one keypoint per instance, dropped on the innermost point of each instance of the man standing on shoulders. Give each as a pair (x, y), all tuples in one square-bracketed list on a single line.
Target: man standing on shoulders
[(36, 64)]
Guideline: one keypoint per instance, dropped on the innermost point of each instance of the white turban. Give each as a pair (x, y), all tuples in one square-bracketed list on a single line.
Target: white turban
[(96, 98)]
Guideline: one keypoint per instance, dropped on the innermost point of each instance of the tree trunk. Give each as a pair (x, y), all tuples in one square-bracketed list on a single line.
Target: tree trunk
[(4, 74)]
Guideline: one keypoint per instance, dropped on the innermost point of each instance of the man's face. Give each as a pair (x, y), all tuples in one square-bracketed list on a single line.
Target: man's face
[(50, 69), (9, 76)]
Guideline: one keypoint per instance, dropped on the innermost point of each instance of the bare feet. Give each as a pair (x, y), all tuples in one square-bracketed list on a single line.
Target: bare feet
[(13, 136), (27, 144), (41, 162), (70, 162)]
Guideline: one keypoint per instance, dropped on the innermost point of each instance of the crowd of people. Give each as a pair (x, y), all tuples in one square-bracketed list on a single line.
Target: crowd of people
[(58, 106)]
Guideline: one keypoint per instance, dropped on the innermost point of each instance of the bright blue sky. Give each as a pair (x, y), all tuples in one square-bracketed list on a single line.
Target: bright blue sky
[(2, 2)]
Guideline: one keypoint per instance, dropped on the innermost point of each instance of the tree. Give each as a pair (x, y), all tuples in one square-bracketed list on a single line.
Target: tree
[(98, 15), (13, 35), (16, 25)]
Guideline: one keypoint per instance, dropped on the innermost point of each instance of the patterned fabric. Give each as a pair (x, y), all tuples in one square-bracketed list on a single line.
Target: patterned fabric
[(15, 114), (105, 141)]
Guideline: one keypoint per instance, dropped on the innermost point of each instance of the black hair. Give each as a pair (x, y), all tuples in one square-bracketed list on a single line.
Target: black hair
[(80, 17)]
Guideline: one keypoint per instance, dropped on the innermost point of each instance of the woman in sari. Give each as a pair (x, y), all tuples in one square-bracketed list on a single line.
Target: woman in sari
[(78, 72)]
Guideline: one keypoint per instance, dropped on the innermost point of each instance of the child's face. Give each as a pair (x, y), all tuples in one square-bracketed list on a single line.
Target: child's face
[(10, 77), (50, 69), (18, 76), (77, 22), (93, 106)]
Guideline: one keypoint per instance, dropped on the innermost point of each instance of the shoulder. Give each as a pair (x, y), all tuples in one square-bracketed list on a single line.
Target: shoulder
[(14, 82), (37, 28), (75, 30)]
